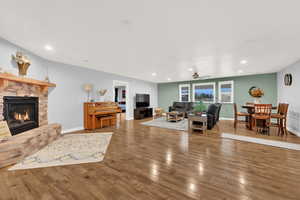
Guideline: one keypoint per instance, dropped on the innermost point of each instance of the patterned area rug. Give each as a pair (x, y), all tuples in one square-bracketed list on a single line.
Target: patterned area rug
[(163, 123), (68, 150)]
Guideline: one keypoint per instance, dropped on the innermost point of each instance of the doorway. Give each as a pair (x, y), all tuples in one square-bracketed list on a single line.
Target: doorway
[(121, 96)]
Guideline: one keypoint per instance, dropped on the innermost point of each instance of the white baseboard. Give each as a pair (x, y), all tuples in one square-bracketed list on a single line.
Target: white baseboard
[(293, 131), (71, 130), (78, 128), (225, 118)]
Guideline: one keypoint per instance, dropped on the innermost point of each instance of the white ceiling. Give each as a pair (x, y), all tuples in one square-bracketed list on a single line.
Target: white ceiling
[(135, 38)]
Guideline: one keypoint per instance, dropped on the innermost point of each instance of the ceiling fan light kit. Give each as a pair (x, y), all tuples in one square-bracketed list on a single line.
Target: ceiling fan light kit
[(195, 75)]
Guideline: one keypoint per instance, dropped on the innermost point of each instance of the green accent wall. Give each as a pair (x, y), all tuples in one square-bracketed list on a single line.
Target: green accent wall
[(169, 92)]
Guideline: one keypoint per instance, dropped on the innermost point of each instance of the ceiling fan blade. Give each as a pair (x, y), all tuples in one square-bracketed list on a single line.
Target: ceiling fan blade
[(204, 77)]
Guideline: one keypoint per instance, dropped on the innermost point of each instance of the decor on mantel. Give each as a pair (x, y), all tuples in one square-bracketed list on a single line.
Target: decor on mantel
[(102, 94), (257, 93), (47, 76), (23, 63), (47, 79), (88, 88)]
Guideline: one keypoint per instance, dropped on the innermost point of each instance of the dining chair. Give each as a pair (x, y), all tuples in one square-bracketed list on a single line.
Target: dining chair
[(239, 114), (262, 117), (281, 119)]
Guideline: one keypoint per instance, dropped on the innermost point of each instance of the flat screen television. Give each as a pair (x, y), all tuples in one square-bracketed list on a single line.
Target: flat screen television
[(142, 100)]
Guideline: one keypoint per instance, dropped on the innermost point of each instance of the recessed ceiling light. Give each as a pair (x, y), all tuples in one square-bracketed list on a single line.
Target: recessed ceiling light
[(243, 62), (168, 79), (190, 69), (48, 47), (154, 74)]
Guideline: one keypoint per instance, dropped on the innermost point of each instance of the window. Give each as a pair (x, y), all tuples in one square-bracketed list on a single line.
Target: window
[(226, 92), (184, 92), (204, 92)]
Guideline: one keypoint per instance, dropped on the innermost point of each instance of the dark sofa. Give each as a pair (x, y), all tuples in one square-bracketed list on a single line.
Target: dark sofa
[(184, 107), (213, 111)]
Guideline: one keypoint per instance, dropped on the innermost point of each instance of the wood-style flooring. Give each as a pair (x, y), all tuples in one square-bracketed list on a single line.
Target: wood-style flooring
[(153, 163)]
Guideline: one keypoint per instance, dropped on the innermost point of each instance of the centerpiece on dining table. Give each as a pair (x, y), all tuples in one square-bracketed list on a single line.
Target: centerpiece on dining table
[(257, 93)]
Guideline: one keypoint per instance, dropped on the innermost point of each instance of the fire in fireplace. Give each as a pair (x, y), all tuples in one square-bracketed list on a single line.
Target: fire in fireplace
[(21, 113), (22, 116)]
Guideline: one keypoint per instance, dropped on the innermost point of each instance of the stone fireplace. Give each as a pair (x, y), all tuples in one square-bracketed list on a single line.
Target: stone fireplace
[(24, 105), (23, 102), (21, 113)]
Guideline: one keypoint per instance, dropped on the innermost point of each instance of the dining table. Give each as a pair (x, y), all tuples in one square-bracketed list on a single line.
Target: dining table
[(251, 110)]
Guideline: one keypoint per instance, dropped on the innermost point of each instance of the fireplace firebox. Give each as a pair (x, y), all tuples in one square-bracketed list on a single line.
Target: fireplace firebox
[(21, 113)]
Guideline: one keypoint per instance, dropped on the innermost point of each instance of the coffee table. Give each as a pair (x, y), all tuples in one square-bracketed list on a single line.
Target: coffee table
[(174, 116)]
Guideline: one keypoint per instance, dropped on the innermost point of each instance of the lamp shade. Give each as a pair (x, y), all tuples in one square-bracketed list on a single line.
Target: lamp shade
[(88, 87)]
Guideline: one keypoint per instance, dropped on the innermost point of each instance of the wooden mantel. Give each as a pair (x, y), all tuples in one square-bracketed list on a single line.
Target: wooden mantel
[(5, 77)]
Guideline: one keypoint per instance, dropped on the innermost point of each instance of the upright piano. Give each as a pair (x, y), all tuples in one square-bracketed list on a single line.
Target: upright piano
[(96, 112)]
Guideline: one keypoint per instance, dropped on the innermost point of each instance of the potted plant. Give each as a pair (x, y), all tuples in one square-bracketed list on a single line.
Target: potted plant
[(199, 108)]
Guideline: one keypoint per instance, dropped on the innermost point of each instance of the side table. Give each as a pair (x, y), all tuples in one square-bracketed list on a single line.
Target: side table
[(201, 123)]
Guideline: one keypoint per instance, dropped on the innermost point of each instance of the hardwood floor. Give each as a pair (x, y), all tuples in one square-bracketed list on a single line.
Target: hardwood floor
[(152, 163)]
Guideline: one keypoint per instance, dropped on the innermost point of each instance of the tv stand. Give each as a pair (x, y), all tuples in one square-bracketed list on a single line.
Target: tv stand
[(142, 113)]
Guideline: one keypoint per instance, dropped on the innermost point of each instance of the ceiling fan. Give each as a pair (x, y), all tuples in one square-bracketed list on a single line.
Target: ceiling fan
[(197, 76)]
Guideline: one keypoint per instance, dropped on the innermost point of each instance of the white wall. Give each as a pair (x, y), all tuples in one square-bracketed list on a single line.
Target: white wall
[(65, 103), (291, 95)]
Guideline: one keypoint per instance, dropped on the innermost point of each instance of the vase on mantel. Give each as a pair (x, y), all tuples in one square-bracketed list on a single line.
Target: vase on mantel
[(257, 100)]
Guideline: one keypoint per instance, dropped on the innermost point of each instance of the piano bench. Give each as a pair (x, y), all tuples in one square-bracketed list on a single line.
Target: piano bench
[(106, 121)]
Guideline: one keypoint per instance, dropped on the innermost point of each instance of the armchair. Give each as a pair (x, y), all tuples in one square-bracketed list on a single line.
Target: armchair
[(212, 115)]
